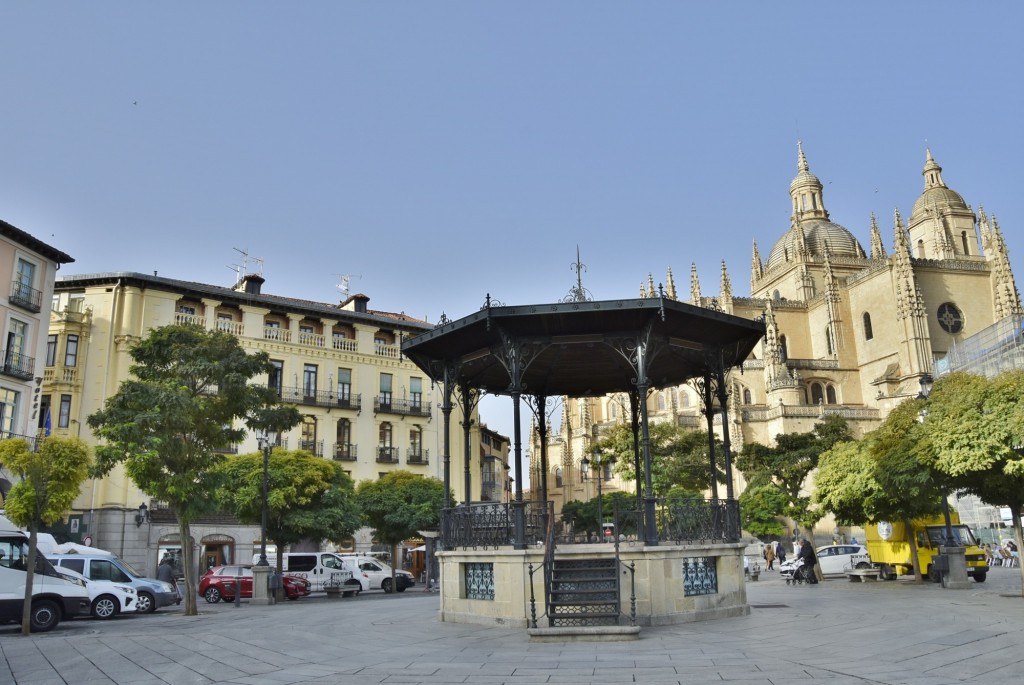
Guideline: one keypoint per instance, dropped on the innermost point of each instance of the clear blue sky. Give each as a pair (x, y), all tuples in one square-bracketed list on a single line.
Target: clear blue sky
[(445, 150)]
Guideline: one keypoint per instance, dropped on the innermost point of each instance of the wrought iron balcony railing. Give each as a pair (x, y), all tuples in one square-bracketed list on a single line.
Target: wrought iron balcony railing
[(26, 297), (387, 455), (17, 365), (314, 447), (417, 456), (384, 404), (345, 451), (319, 398)]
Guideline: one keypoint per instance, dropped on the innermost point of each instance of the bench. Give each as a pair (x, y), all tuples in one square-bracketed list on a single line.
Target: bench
[(863, 575)]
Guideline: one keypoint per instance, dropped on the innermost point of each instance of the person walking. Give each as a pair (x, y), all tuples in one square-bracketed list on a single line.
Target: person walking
[(769, 555), (806, 553), (782, 553), (165, 572)]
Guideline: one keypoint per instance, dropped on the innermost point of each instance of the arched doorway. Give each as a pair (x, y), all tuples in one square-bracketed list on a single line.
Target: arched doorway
[(217, 550)]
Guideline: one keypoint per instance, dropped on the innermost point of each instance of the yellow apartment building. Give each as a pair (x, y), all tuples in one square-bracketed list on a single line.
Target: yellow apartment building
[(363, 404)]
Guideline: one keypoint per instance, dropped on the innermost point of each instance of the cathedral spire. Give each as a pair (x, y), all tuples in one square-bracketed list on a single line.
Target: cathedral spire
[(1007, 298), (671, 285), (986, 233), (651, 291), (932, 172), (806, 191), (726, 290), (756, 269), (877, 248), (694, 285)]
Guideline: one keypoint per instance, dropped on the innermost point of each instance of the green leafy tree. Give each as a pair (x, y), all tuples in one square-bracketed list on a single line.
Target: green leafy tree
[(50, 479), (189, 389), (759, 510), (786, 467), (881, 478), (582, 516), (308, 498), (399, 504), (975, 437), (679, 456)]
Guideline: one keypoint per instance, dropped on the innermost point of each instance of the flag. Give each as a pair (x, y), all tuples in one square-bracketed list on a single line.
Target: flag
[(46, 423)]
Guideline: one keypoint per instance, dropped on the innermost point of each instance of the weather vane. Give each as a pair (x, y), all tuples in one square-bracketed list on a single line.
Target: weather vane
[(578, 293)]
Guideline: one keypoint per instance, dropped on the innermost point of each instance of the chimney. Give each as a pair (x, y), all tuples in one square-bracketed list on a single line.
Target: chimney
[(250, 284)]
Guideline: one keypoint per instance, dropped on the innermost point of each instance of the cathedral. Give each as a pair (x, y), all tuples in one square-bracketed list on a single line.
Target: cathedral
[(849, 331)]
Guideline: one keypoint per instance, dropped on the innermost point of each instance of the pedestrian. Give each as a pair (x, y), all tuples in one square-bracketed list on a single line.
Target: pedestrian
[(769, 555), (165, 572), (810, 561), (782, 554)]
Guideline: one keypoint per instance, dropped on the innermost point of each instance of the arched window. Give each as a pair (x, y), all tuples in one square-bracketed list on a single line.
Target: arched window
[(384, 434), (963, 239), (746, 396), (613, 410), (920, 249), (684, 399), (868, 333), (828, 340), (344, 432), (830, 394), (661, 401), (558, 477), (416, 443), (308, 440), (817, 396), (783, 350)]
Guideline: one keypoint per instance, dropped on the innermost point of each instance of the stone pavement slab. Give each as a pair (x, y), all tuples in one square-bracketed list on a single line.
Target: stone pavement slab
[(891, 633)]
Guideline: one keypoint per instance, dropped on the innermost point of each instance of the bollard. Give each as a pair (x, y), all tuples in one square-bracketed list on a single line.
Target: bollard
[(238, 591)]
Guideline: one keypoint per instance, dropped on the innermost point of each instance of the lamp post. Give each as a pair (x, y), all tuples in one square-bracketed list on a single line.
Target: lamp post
[(599, 463), (954, 567), (266, 442)]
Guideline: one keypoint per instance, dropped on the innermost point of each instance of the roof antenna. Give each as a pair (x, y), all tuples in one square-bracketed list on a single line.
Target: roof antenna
[(242, 270), (343, 284)]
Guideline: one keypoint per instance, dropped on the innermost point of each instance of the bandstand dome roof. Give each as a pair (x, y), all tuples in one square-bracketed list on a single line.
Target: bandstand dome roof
[(581, 349)]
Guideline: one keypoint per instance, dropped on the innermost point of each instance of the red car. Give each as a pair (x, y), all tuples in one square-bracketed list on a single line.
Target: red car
[(220, 581)]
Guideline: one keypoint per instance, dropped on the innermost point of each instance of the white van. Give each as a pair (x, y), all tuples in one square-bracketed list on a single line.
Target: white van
[(374, 574), (321, 569), (54, 598), (151, 593)]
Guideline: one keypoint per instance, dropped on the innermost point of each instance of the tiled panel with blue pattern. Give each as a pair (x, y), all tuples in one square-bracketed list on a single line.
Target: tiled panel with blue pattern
[(700, 576)]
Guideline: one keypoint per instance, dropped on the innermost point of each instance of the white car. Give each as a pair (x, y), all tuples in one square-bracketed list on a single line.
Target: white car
[(833, 560), (374, 574), (107, 599)]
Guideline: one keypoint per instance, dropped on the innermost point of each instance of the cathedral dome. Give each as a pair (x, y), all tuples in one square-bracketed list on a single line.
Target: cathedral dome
[(936, 193), (818, 236)]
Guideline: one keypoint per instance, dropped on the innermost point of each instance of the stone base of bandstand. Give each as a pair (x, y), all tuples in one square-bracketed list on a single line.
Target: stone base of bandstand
[(658, 584)]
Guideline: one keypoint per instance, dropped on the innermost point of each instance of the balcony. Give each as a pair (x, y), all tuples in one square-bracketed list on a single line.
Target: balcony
[(17, 365), (387, 455), (230, 449), (233, 327), (419, 457), (189, 319), (345, 344), (314, 447), (389, 351), (345, 451), (26, 297), (319, 398), (278, 334), (65, 375), (385, 404)]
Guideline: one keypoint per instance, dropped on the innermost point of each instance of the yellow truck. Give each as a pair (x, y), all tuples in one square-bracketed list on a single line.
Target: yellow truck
[(888, 546)]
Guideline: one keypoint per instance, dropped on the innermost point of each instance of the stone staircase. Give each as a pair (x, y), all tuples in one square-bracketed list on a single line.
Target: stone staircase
[(584, 592)]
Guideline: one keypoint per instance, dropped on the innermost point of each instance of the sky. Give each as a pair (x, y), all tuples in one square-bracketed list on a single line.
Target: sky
[(439, 152)]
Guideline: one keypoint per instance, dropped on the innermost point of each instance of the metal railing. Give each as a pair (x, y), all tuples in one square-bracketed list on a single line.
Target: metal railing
[(17, 365), (345, 451), (314, 447), (417, 456), (491, 524), (26, 297), (387, 455), (383, 404), (319, 398)]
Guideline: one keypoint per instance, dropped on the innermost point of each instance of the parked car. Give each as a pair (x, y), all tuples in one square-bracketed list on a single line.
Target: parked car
[(323, 570), (152, 593), (107, 599), (219, 583), (833, 560), (374, 574)]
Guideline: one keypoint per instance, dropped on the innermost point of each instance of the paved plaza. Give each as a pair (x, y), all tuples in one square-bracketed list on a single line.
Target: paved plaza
[(835, 632)]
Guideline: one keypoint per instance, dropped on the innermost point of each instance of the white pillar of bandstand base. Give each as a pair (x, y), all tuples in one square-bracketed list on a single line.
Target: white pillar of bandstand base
[(261, 594), (659, 585)]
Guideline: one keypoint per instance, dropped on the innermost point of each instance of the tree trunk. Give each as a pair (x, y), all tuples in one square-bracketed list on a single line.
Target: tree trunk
[(914, 560), (1018, 535), (30, 572), (188, 559)]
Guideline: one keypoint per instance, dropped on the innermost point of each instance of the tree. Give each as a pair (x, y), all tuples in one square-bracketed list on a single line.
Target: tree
[(308, 498), (882, 477), (399, 504), (679, 456), (189, 388), (786, 467), (51, 478), (759, 510), (975, 437)]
